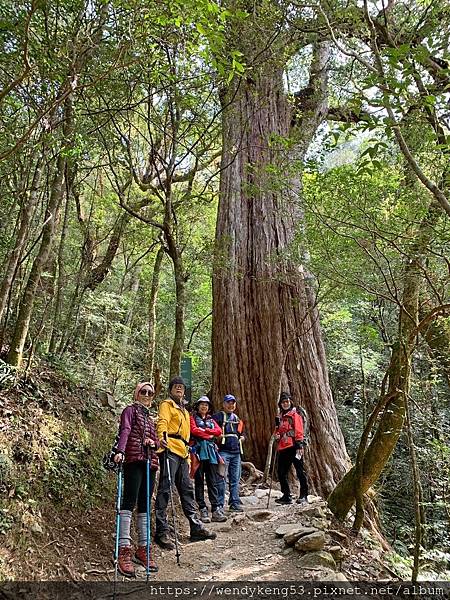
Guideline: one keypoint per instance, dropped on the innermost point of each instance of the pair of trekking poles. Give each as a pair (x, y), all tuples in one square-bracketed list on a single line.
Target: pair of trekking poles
[(118, 501)]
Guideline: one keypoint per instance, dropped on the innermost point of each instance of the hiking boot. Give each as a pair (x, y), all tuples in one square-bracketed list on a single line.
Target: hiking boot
[(200, 534), (302, 500), (204, 516), (283, 500), (124, 564), (164, 541), (141, 558), (218, 516), (236, 508)]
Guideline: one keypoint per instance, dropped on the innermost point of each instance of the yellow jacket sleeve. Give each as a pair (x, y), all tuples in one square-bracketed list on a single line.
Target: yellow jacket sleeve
[(164, 417), (173, 420)]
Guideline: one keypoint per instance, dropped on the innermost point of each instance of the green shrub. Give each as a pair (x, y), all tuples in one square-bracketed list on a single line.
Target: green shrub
[(73, 474)]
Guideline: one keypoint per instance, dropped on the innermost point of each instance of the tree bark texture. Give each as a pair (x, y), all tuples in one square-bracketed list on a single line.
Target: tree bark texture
[(265, 325)]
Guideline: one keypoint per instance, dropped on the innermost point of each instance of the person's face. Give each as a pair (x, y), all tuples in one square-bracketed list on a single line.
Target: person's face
[(146, 395), (286, 404), (203, 408), (229, 406), (177, 391)]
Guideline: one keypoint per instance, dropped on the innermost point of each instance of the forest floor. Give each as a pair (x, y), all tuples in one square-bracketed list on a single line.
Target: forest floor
[(51, 432), (246, 549)]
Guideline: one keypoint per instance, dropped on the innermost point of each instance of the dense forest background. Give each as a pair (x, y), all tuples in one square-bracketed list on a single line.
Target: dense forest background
[(119, 142)]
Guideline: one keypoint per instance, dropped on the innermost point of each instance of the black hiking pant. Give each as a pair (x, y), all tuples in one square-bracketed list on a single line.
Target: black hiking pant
[(135, 486), (287, 458), (209, 471), (179, 474)]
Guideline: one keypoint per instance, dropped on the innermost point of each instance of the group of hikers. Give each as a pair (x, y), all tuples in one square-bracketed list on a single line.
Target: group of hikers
[(183, 446)]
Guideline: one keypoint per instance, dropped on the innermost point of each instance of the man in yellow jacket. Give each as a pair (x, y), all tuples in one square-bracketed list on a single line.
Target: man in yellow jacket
[(173, 429)]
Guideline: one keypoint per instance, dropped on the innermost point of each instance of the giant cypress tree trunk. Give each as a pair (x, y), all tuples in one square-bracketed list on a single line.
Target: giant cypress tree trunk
[(266, 332)]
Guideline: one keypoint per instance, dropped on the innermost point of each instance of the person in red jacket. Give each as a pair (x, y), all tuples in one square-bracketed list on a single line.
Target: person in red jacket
[(203, 431), (137, 439), (289, 434)]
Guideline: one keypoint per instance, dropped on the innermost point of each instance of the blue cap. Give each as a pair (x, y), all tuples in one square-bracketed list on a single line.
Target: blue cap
[(229, 398)]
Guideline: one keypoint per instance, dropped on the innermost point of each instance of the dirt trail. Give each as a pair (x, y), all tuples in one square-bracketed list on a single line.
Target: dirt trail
[(246, 549)]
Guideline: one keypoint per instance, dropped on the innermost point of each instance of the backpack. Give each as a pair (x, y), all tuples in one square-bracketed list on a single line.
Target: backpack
[(304, 415)]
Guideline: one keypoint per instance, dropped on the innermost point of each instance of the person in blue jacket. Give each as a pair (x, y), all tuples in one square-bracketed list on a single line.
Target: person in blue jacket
[(230, 449)]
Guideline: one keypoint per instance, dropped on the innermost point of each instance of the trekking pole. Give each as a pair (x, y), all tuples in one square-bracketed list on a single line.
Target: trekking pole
[(271, 476), (148, 517), (277, 424), (116, 545), (177, 552)]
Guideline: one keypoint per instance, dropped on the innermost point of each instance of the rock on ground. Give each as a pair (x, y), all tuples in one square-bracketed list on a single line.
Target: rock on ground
[(288, 528), (316, 560), (249, 500), (291, 537), (312, 541)]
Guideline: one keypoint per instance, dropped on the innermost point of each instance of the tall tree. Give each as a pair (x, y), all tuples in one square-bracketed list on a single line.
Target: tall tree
[(266, 332)]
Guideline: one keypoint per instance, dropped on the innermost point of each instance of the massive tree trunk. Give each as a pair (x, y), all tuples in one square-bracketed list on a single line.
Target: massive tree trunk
[(266, 332)]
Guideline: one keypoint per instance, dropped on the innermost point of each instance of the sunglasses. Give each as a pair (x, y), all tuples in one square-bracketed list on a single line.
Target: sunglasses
[(146, 393)]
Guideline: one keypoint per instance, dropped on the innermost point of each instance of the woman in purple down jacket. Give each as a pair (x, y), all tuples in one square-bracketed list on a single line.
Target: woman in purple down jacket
[(137, 439)]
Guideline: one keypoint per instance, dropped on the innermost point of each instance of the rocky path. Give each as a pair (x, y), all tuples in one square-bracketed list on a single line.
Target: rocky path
[(278, 543), (284, 543)]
